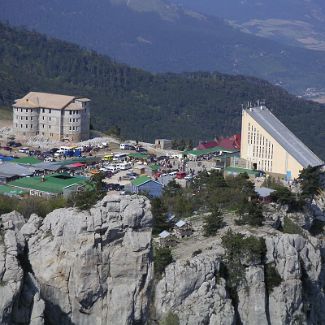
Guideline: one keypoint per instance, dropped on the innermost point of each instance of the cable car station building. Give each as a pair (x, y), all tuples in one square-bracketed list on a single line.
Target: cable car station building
[(268, 145)]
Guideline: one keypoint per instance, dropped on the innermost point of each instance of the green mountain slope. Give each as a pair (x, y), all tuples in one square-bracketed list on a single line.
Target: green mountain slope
[(159, 37), (191, 106)]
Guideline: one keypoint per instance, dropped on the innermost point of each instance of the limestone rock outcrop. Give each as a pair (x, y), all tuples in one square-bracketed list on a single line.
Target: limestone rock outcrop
[(94, 267), (192, 290)]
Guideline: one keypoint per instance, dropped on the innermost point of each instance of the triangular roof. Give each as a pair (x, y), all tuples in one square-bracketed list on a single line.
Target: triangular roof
[(284, 136), (141, 180), (44, 100)]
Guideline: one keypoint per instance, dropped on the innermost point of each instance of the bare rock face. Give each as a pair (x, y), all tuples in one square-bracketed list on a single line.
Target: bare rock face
[(192, 290), (300, 296), (11, 273), (94, 267)]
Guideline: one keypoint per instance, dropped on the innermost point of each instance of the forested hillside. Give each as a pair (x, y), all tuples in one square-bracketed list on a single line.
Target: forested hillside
[(159, 37), (191, 106)]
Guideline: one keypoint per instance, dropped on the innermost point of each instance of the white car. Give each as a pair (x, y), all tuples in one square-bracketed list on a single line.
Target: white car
[(24, 150), (113, 169)]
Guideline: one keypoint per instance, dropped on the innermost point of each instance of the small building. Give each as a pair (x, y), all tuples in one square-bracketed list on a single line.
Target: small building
[(235, 171), (50, 185), (163, 144), (10, 171), (264, 194), (183, 229), (145, 184), (166, 239), (196, 154)]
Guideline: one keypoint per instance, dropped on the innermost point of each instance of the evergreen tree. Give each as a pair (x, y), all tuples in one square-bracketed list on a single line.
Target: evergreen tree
[(310, 182), (212, 223)]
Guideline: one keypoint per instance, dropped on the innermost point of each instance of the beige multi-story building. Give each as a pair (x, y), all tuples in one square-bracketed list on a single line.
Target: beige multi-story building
[(268, 145), (53, 116)]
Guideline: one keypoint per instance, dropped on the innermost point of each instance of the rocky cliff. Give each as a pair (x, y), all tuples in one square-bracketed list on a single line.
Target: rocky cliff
[(96, 267), (92, 267)]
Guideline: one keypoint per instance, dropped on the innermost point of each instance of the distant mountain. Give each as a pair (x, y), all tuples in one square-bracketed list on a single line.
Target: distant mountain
[(293, 22), (145, 106), (159, 36)]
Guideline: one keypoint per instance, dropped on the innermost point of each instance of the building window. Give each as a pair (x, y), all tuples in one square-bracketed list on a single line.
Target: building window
[(43, 118), (50, 111), (43, 110), (26, 126), (70, 112), (49, 126), (21, 126), (31, 126), (43, 126), (26, 118), (74, 120), (31, 118), (49, 118), (70, 128), (21, 110), (26, 110)]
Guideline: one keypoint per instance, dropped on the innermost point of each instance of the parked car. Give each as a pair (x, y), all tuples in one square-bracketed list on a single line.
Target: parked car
[(112, 168), (141, 149), (16, 144), (180, 175), (114, 187), (10, 143), (7, 148), (24, 150), (49, 159), (53, 150)]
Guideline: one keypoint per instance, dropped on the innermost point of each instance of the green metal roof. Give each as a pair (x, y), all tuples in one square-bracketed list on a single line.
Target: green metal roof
[(141, 180), (138, 155), (53, 183), (207, 151), (154, 167), (26, 160), (5, 189), (239, 170)]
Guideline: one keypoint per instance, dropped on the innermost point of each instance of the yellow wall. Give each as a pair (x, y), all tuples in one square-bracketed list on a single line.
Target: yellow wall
[(258, 146)]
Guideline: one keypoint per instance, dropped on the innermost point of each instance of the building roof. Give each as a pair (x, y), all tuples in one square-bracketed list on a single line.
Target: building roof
[(26, 160), (138, 155), (44, 100), (207, 145), (264, 191), (141, 180), (284, 136), (55, 183), (164, 234), (8, 169), (11, 191), (238, 170), (180, 223), (198, 153)]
